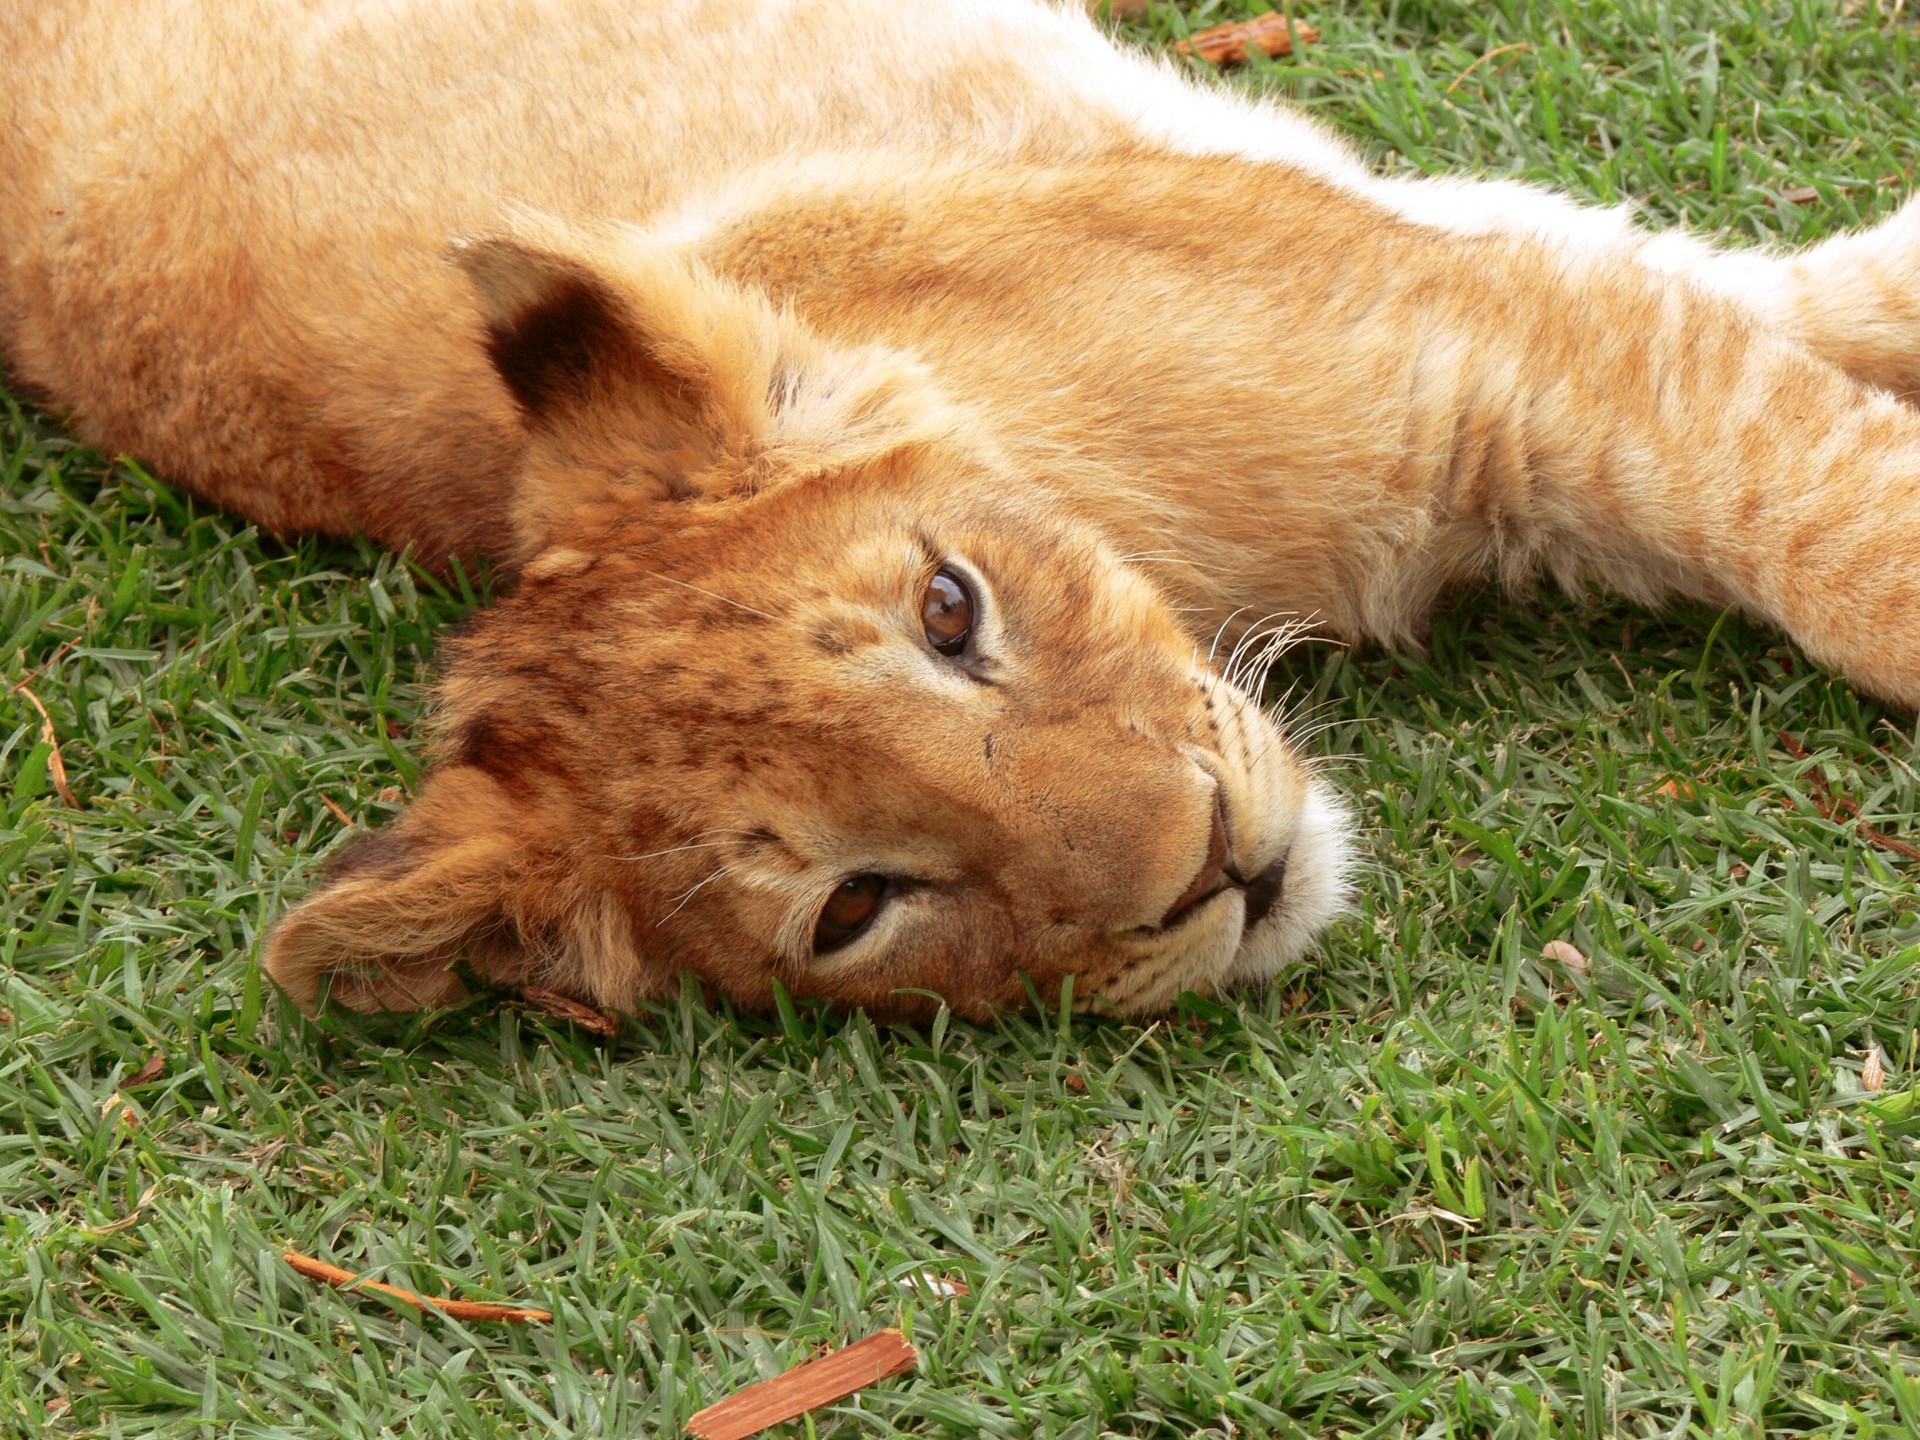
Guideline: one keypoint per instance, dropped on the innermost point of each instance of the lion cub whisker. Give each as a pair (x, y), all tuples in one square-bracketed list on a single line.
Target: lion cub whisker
[(677, 849), (691, 892)]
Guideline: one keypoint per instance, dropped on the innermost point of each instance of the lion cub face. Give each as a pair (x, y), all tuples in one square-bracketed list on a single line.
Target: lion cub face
[(801, 687)]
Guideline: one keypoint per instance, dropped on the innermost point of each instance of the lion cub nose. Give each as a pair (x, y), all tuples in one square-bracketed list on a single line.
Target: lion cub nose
[(1212, 877)]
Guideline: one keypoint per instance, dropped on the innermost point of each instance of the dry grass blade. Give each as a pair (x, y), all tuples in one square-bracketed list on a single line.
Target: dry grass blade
[(132, 1217), (1235, 42), (805, 1387), (1493, 54), (56, 767), (458, 1309)]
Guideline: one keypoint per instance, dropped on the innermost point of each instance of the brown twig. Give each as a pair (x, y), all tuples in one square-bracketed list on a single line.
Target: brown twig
[(338, 813), (56, 767), (1834, 807), (1237, 40), (832, 1377), (458, 1309)]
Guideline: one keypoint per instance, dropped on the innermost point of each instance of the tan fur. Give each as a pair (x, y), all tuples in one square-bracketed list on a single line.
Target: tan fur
[(725, 332)]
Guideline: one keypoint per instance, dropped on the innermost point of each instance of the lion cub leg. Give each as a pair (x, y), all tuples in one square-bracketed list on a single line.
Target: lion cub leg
[(1853, 299), (1617, 424)]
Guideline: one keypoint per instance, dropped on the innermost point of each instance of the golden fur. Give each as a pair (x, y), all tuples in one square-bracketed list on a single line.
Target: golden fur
[(726, 325)]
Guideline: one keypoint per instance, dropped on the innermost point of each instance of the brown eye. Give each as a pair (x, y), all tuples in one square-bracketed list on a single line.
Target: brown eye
[(946, 610), (847, 911)]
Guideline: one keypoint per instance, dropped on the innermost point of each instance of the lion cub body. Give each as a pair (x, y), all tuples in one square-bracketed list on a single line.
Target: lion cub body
[(760, 315)]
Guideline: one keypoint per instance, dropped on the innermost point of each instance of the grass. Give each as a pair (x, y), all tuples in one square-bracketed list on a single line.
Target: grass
[(1436, 1185)]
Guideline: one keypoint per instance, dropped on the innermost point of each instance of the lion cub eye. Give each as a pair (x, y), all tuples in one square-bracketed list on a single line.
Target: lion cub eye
[(848, 910), (946, 610)]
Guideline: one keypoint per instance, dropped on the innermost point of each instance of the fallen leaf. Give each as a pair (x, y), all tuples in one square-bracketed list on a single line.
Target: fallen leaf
[(1675, 789), (1873, 1074), (1236, 41), (565, 1007), (458, 1309), (155, 1067), (806, 1387), (1800, 195), (1565, 954)]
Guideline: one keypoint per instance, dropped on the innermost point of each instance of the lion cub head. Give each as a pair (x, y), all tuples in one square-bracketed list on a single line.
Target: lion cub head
[(800, 684)]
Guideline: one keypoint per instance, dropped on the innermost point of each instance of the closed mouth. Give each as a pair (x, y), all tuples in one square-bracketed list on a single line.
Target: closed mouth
[(1180, 914)]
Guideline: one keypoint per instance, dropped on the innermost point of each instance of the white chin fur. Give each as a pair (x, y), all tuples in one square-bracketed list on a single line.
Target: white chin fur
[(1316, 891)]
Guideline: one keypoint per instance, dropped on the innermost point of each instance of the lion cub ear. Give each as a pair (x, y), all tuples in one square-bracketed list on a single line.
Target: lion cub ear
[(566, 337), (643, 377), (459, 882)]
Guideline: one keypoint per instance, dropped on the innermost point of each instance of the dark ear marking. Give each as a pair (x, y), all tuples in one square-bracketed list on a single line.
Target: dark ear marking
[(560, 336), (550, 351)]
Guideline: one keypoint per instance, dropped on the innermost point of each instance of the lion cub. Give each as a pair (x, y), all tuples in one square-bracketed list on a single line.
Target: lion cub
[(823, 371)]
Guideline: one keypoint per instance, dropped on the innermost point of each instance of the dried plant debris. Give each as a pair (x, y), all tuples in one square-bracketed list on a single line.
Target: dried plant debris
[(155, 1067), (1839, 809), (458, 1309), (1566, 955), (565, 1007), (1271, 34), (832, 1377)]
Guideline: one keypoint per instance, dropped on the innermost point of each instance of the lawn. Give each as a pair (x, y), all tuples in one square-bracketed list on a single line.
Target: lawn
[(1443, 1181)]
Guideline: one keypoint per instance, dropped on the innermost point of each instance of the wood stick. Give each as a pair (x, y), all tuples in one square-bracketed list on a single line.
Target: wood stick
[(458, 1309), (832, 1377), (1236, 41)]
